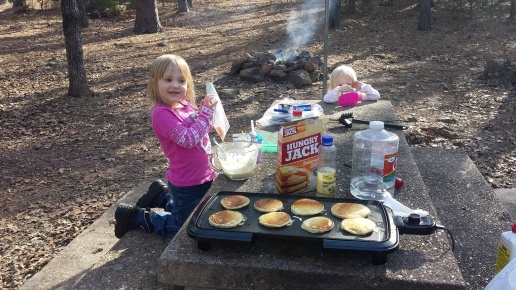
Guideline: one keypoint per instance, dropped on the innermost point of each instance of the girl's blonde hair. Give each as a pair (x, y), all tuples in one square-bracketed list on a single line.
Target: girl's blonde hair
[(157, 70), (342, 70)]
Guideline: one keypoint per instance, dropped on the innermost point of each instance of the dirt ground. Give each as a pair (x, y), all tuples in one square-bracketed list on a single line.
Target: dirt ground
[(64, 161)]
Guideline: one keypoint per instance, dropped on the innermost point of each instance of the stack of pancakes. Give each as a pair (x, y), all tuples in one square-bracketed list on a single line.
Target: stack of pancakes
[(292, 179)]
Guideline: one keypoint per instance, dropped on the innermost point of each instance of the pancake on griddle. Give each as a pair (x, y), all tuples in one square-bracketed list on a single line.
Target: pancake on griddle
[(346, 210), (226, 219), (275, 219), (268, 205), (234, 201), (358, 226), (306, 206), (318, 224)]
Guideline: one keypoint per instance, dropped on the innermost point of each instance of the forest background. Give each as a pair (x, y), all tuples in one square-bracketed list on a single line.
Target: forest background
[(65, 160)]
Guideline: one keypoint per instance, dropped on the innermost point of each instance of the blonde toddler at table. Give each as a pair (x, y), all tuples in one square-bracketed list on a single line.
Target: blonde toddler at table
[(344, 79)]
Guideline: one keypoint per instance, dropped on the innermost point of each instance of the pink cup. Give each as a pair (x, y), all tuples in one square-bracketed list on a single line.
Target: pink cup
[(348, 99)]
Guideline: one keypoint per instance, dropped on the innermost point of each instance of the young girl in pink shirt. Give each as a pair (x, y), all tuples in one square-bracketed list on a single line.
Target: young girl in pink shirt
[(182, 130)]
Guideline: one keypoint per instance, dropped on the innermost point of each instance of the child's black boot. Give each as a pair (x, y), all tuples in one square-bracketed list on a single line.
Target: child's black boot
[(154, 195), (143, 221), (130, 218)]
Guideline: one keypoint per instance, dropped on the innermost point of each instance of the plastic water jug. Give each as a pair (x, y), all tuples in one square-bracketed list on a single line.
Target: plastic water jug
[(375, 155)]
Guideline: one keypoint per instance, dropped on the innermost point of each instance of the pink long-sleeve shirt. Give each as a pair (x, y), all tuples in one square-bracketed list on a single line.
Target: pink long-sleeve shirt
[(183, 135)]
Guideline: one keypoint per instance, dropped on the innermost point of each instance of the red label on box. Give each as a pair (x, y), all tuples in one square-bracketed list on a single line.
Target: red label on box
[(300, 149)]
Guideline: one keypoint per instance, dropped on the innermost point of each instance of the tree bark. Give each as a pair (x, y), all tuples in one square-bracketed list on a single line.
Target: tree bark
[(82, 12), (18, 4), (182, 6), (334, 21), (512, 14), (147, 19), (352, 7), (425, 17), (78, 84)]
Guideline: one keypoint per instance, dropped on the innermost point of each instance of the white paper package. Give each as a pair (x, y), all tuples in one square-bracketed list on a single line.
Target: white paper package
[(220, 121)]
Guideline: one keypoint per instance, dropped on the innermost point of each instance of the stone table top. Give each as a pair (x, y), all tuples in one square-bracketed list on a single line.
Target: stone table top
[(423, 262)]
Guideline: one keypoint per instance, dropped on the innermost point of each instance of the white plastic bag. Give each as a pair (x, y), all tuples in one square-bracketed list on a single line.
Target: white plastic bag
[(400, 209), (220, 121), (271, 117)]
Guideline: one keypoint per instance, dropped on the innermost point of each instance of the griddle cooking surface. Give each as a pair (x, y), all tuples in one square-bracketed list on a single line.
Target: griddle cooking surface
[(383, 238)]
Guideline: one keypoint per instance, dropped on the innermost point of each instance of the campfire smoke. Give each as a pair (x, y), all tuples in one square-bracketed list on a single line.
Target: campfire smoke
[(302, 24)]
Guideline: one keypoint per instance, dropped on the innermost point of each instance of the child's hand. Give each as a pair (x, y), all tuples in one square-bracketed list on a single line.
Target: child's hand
[(207, 101), (343, 88), (357, 85)]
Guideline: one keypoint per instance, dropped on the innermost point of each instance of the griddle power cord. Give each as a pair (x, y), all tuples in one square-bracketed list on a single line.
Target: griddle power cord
[(440, 227)]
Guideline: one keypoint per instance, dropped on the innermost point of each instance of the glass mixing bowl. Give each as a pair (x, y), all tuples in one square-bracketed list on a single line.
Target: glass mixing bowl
[(237, 159)]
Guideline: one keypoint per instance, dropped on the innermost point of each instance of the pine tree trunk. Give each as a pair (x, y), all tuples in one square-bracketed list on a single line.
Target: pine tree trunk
[(351, 9), (334, 21), (18, 4), (182, 6), (78, 84), (82, 12), (425, 16), (147, 19)]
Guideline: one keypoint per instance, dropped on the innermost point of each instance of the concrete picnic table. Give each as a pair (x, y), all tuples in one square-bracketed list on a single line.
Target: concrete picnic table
[(420, 262)]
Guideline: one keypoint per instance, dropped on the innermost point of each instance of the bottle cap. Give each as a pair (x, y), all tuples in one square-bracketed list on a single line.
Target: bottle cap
[(297, 113), (327, 140), (259, 138), (513, 227), (376, 125)]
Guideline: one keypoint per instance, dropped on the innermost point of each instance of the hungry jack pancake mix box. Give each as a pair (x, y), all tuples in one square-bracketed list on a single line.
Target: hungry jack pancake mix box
[(297, 156)]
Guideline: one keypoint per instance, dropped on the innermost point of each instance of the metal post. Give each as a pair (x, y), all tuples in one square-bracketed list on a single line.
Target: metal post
[(326, 28)]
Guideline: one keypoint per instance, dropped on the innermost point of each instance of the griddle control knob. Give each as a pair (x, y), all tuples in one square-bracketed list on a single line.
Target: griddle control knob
[(415, 224), (414, 219)]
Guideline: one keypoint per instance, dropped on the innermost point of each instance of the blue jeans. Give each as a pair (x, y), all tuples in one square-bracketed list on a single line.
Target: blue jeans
[(180, 203)]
